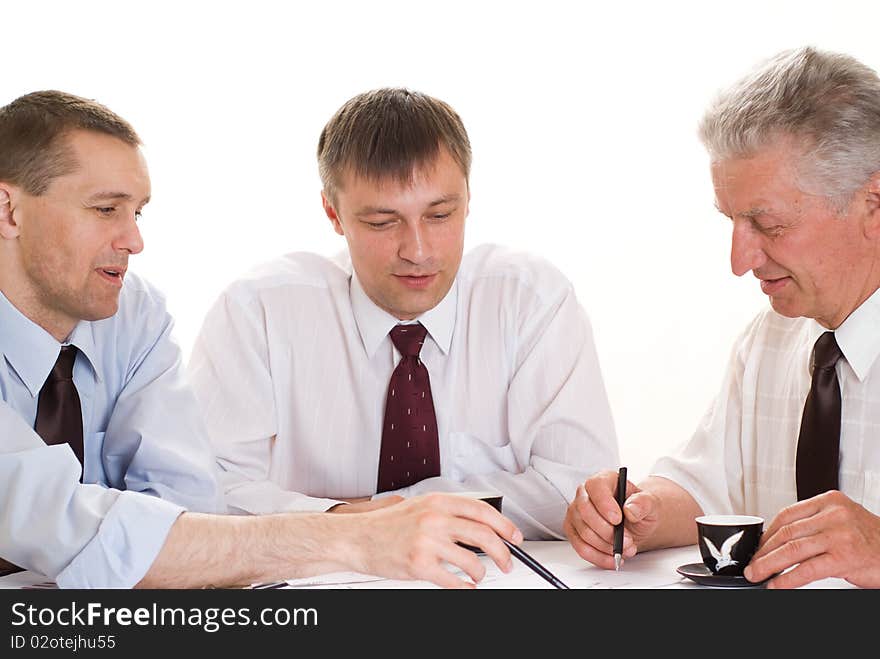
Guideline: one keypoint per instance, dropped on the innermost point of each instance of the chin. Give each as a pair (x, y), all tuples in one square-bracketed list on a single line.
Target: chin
[(410, 311), (786, 308), (99, 312)]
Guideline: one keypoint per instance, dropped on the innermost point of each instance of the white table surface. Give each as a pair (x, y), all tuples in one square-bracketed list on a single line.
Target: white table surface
[(655, 569)]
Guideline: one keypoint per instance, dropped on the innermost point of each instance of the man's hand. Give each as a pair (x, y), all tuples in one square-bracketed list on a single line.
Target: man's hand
[(828, 535), (658, 513), (591, 518), (414, 539)]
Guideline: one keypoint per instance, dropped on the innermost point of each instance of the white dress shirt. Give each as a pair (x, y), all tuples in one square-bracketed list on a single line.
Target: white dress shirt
[(742, 457), (292, 368), (146, 453)]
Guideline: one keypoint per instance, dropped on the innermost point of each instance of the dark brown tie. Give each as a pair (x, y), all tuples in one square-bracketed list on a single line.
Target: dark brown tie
[(59, 415), (410, 448), (818, 450)]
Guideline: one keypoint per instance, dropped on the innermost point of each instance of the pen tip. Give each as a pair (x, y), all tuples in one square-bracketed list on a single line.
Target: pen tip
[(617, 562)]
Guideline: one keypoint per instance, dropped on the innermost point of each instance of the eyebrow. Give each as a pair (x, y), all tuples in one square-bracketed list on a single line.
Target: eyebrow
[(379, 210), (112, 196), (754, 212), (749, 214)]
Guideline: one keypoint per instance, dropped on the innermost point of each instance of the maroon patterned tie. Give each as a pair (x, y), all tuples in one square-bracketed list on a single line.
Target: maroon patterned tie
[(410, 448), (59, 415)]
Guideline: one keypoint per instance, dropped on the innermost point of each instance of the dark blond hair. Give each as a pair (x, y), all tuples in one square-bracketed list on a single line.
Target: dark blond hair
[(33, 149), (388, 133)]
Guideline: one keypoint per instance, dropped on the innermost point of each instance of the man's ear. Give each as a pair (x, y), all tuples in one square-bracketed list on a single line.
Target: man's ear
[(332, 214), (8, 227), (872, 212)]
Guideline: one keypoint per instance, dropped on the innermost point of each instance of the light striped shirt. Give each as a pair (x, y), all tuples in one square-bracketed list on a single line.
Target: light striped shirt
[(293, 362)]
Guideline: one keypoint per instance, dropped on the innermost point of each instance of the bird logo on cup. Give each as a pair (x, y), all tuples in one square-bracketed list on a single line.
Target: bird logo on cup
[(722, 557)]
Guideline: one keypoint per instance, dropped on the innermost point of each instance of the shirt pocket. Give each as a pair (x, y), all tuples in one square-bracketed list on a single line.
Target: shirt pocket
[(471, 456)]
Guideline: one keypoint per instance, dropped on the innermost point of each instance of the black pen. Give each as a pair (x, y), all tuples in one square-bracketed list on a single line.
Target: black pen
[(618, 530), (539, 569)]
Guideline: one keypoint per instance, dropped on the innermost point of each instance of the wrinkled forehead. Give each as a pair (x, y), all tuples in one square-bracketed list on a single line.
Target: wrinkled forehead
[(772, 169), (784, 155)]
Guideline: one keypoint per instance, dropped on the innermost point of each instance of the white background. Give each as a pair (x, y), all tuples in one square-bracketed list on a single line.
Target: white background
[(581, 116)]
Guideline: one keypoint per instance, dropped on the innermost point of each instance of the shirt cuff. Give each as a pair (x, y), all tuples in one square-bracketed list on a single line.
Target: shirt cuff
[(128, 541)]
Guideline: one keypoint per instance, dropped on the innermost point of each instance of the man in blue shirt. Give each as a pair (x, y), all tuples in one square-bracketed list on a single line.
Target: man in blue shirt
[(124, 497)]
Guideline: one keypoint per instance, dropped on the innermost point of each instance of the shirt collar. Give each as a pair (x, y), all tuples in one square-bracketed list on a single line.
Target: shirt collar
[(374, 323), (83, 337), (32, 351), (857, 336)]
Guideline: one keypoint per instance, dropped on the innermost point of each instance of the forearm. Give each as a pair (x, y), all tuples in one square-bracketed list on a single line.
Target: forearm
[(47, 518), (230, 550), (677, 510)]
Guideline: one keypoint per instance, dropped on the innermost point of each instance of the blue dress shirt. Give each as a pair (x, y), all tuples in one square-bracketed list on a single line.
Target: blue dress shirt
[(146, 453)]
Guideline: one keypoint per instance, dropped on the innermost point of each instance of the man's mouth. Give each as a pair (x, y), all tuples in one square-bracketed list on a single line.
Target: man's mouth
[(416, 281), (115, 275), (773, 286)]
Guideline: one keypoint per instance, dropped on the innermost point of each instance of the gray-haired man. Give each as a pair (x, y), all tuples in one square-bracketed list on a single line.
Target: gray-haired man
[(792, 436)]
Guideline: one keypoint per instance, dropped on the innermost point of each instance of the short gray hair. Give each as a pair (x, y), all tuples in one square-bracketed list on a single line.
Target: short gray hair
[(828, 102)]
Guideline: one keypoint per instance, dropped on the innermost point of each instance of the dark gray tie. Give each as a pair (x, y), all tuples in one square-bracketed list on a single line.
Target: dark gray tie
[(59, 415), (818, 449)]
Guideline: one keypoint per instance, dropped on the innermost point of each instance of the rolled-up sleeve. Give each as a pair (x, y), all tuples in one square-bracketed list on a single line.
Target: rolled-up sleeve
[(83, 536)]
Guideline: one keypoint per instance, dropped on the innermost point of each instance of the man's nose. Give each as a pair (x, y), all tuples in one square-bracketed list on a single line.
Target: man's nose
[(414, 245), (746, 251), (130, 239)]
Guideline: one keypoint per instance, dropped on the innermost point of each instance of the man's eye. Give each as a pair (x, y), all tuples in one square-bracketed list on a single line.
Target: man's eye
[(379, 225), (105, 210), (440, 216), (770, 229)]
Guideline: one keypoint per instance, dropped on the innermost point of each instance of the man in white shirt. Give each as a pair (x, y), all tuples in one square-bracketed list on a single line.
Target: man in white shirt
[(795, 157), (106, 474), (294, 363)]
